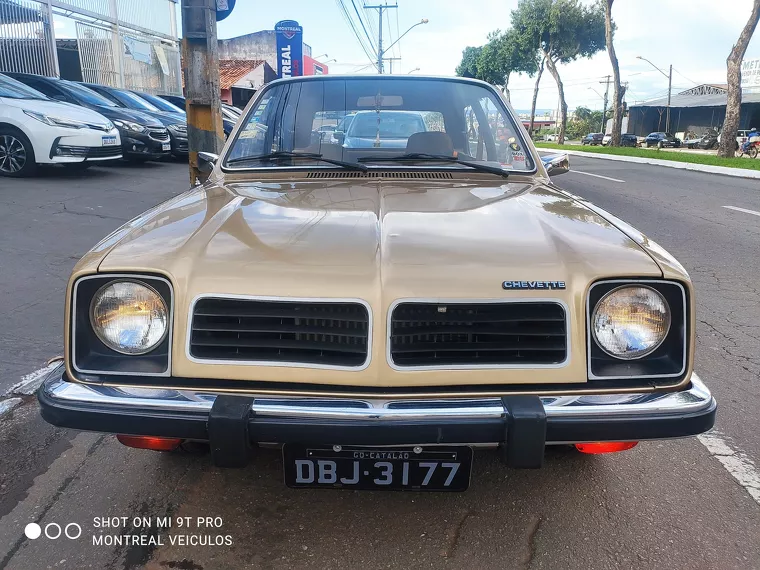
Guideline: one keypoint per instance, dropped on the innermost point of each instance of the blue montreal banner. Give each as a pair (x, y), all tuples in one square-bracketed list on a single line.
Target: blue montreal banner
[(289, 48)]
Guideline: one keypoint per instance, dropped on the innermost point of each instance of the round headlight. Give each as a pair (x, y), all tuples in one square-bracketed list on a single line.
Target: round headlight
[(631, 321), (129, 317)]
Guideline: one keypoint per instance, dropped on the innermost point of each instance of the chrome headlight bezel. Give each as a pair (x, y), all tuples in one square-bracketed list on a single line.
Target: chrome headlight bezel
[(113, 346), (642, 353), (666, 363), (90, 357), (129, 126), (54, 121)]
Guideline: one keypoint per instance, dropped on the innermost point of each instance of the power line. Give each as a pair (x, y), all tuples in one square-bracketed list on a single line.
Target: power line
[(686, 78), (347, 17), (398, 33), (366, 33)]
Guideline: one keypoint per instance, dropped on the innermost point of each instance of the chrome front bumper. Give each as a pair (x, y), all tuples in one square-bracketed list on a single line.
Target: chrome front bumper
[(568, 419)]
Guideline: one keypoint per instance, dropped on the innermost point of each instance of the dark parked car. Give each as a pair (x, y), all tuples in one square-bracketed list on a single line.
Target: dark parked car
[(142, 137), (707, 141), (592, 139), (230, 114), (161, 103), (662, 140), (176, 123), (628, 139), (176, 100)]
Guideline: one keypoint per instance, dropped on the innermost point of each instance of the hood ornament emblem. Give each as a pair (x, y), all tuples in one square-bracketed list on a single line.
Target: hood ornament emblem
[(509, 285)]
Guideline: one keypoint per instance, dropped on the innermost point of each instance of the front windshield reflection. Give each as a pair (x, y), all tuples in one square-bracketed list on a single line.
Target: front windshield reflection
[(374, 121)]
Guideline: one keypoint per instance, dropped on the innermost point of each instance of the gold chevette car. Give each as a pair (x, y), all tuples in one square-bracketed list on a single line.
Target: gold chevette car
[(379, 300)]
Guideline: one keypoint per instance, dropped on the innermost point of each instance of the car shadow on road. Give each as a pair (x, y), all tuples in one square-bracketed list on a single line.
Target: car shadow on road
[(272, 526)]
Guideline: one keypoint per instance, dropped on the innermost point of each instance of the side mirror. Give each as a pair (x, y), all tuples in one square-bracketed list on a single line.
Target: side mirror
[(556, 164), (207, 161), (339, 136)]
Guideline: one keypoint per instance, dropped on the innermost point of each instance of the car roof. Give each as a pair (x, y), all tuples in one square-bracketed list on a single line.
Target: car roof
[(389, 112), (384, 77)]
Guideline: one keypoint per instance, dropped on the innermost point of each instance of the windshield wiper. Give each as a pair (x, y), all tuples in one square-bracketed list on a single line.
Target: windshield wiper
[(425, 157), (285, 154)]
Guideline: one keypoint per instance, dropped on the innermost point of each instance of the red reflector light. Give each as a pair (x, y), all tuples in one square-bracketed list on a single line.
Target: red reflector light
[(149, 442), (605, 447)]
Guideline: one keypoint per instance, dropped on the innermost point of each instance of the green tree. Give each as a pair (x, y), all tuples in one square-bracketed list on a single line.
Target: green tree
[(494, 62), (618, 91), (561, 31), (584, 121), (468, 67), (734, 77)]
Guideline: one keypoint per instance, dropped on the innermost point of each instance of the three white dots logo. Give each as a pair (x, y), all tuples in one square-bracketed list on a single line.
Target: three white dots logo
[(53, 530)]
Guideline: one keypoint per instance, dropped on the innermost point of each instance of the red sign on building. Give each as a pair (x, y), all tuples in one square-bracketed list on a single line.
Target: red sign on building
[(313, 67)]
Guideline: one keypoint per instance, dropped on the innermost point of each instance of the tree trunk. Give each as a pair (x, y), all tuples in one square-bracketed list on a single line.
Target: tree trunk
[(618, 90), (506, 89), (535, 96), (552, 66), (734, 76)]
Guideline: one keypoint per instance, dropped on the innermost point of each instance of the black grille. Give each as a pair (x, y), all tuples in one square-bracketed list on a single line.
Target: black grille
[(431, 334), (89, 152), (159, 134), (311, 332)]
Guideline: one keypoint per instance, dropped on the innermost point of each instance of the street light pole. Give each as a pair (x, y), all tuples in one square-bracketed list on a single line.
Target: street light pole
[(604, 109), (670, 84), (380, 51)]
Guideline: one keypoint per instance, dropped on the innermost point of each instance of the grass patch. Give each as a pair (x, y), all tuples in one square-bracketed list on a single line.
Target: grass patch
[(743, 162)]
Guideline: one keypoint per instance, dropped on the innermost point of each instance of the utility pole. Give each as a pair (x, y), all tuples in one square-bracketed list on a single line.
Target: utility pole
[(380, 52), (200, 67), (604, 109), (670, 83)]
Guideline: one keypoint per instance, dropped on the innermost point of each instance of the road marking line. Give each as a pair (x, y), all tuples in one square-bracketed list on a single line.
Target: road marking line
[(596, 175), (8, 405), (742, 210), (736, 462), (30, 382)]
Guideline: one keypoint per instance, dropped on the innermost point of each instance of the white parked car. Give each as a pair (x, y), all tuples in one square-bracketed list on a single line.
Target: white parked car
[(606, 139), (35, 129)]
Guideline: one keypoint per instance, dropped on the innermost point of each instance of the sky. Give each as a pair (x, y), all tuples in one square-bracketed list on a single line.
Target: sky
[(695, 36)]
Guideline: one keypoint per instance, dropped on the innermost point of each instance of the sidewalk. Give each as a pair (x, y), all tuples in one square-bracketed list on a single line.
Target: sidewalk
[(724, 170)]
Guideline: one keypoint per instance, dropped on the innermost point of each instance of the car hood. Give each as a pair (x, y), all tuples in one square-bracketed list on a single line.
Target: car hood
[(128, 115), (57, 109), (166, 118), (378, 241)]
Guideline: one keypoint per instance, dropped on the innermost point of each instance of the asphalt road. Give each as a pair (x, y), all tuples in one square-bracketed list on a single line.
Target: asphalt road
[(671, 504)]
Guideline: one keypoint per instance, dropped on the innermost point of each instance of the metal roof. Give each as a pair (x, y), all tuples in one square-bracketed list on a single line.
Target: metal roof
[(718, 100)]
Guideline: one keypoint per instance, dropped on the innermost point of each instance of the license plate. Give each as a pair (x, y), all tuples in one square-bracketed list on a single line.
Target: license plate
[(166, 146), (109, 141), (397, 469)]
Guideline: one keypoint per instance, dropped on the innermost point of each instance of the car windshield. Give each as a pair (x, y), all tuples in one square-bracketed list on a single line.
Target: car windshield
[(13, 89), (160, 104), (87, 95), (133, 101), (376, 121)]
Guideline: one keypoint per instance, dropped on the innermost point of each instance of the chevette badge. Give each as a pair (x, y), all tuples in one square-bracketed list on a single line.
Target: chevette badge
[(533, 285)]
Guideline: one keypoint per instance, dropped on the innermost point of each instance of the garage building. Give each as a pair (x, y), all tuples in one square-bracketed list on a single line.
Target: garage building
[(698, 109)]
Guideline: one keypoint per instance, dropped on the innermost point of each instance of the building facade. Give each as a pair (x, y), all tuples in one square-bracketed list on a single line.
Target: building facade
[(122, 43)]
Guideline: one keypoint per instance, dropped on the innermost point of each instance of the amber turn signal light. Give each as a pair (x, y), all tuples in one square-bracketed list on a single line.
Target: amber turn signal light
[(149, 442), (605, 447)]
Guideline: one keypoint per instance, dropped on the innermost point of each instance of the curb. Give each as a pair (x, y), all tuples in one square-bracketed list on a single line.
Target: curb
[(724, 170)]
